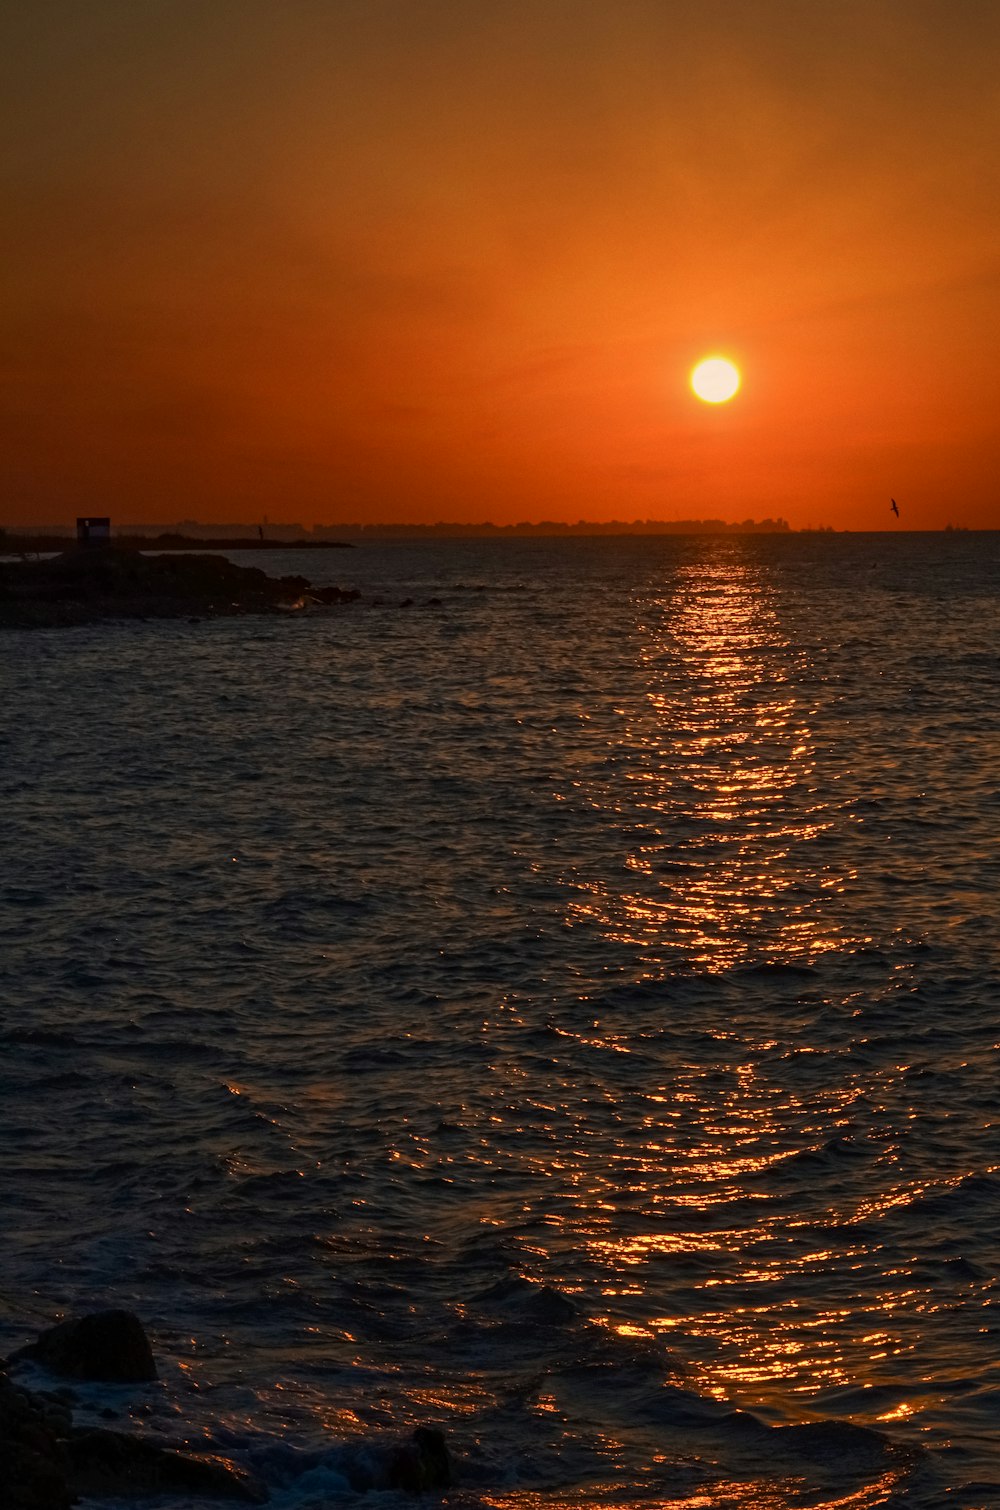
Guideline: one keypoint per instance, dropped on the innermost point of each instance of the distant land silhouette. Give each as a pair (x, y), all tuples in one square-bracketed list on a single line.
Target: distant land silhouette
[(582, 527), (190, 533), (59, 538)]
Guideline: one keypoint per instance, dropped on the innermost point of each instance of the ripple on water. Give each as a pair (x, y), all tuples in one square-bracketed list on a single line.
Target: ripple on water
[(567, 1016)]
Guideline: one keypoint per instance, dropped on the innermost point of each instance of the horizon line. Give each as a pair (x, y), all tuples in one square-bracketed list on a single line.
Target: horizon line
[(545, 527)]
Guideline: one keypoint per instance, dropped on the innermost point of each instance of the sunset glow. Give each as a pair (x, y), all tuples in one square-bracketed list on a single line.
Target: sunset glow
[(455, 262)]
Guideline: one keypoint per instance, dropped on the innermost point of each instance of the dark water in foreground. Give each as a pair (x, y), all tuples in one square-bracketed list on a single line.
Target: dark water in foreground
[(565, 1014)]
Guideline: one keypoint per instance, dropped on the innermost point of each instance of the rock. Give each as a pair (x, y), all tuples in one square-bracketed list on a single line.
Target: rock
[(335, 594), (109, 1346), (111, 1463), (423, 1463), (46, 1463), (32, 1454), (88, 586), (56, 1413)]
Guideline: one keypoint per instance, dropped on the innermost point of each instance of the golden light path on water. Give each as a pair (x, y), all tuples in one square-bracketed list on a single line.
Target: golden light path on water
[(735, 1495), (728, 874), (723, 770)]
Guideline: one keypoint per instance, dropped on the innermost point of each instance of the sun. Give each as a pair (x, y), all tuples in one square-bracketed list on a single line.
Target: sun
[(715, 379)]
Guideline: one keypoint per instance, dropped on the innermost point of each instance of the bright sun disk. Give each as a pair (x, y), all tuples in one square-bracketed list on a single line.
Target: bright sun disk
[(715, 380)]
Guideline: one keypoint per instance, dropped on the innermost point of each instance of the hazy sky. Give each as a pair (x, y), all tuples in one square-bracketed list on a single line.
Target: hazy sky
[(332, 260)]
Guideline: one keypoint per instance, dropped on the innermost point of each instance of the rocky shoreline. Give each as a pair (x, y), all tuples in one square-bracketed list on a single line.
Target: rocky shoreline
[(87, 586), (49, 1463)]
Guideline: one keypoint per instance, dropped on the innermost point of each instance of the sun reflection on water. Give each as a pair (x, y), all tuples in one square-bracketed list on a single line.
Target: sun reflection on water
[(701, 1198), (719, 774), (713, 1116)]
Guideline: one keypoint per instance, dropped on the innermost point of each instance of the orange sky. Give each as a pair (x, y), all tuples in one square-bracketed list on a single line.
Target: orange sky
[(336, 260)]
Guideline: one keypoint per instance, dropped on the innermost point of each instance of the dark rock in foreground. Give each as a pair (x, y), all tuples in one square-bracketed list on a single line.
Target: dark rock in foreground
[(111, 1463), (109, 1347), (48, 1464), (32, 1452), (423, 1463), (86, 586)]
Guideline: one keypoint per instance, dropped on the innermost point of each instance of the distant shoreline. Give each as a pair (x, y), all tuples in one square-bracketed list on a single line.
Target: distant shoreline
[(20, 540), (16, 544)]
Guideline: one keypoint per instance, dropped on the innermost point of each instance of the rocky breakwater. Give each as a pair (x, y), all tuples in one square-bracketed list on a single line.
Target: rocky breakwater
[(88, 586), (49, 1463)]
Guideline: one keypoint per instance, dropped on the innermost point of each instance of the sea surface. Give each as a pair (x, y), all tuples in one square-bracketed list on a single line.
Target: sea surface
[(561, 1009)]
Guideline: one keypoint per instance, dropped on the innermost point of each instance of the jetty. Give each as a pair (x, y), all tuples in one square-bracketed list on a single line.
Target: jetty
[(86, 585)]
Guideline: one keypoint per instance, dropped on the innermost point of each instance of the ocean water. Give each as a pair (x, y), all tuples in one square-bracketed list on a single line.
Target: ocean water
[(562, 1010)]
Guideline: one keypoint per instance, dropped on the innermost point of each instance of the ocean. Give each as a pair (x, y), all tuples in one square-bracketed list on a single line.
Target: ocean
[(554, 999)]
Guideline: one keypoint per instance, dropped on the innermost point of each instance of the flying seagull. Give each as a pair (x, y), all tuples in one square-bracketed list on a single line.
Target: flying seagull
[(894, 506)]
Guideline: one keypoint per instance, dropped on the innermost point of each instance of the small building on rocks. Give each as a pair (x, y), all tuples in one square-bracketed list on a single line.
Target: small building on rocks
[(93, 531)]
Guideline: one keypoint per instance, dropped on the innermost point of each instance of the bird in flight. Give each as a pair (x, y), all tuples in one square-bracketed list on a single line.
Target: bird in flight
[(894, 506)]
